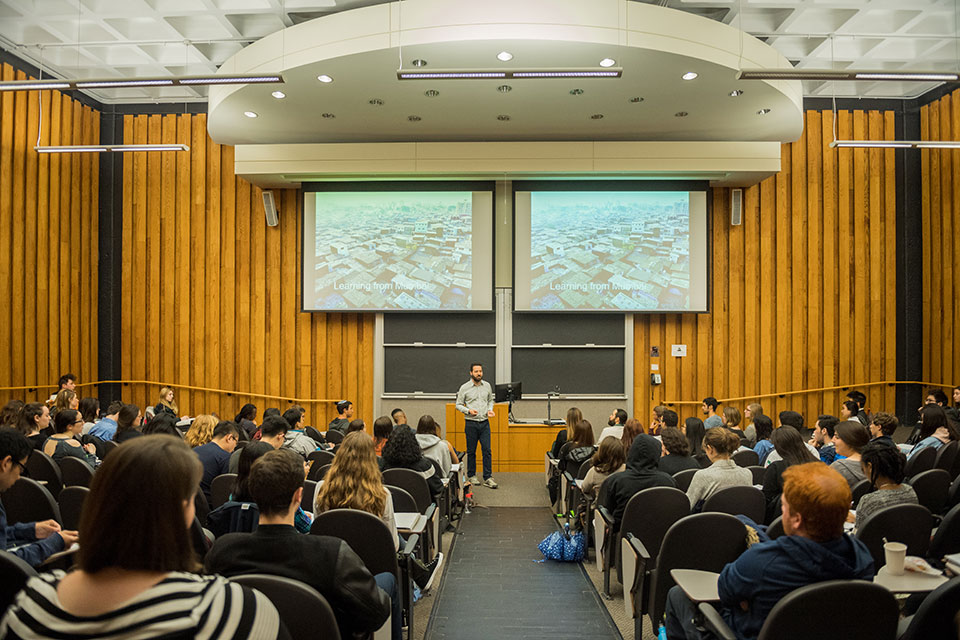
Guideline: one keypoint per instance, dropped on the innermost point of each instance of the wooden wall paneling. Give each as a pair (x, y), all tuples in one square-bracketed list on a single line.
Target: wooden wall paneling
[(167, 249), (198, 172), (243, 256), (798, 272), (228, 280), (721, 300), (212, 273), (768, 292), (845, 271), (784, 337), (92, 221), (141, 263), (948, 239), (955, 358), (735, 306), (29, 222), (41, 299), (183, 268), (831, 240), (128, 278), (274, 309), (288, 293), (6, 221), (873, 297), (69, 253), (18, 170), (936, 306), (927, 240), (860, 249), (813, 374), (153, 286), (890, 258), (258, 307), (750, 364)]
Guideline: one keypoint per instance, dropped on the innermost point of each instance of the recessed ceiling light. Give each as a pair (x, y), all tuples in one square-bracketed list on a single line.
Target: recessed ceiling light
[(681, 114), (250, 114), (504, 56), (736, 93), (419, 63), (503, 118), (636, 99), (431, 93), (324, 78), (607, 62), (328, 116), (597, 116), (413, 118), (763, 112), (279, 95), (689, 75), (377, 102), (576, 92), (504, 88)]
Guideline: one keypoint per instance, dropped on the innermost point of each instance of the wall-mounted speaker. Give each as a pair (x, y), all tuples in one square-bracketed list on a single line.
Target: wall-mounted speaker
[(736, 206), (270, 209)]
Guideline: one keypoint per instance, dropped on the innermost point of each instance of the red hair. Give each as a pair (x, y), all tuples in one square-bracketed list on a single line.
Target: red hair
[(820, 495)]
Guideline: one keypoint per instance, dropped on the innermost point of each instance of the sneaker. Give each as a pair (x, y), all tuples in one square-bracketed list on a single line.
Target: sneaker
[(423, 574), (474, 480), (490, 483)]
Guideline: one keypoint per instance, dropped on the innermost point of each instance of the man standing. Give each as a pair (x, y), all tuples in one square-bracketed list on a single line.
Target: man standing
[(344, 416), (475, 402), (709, 408)]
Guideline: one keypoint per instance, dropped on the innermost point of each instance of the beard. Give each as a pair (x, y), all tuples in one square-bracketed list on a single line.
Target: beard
[(611, 423)]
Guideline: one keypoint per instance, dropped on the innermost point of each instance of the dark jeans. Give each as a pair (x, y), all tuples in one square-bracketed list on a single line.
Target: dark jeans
[(680, 612), (478, 431), (388, 582)]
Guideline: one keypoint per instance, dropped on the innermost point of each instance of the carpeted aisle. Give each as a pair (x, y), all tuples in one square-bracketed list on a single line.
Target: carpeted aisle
[(492, 588)]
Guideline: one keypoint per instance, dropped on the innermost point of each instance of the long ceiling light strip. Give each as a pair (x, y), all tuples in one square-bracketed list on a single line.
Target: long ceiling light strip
[(896, 144), (119, 83), (487, 74), (102, 148), (830, 74)]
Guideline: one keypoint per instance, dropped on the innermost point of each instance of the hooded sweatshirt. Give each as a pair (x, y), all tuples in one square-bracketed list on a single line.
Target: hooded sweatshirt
[(641, 473), (435, 449), (767, 572)]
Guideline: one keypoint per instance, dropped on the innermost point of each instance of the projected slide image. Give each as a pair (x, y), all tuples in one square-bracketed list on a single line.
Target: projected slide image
[(610, 250), (405, 251)]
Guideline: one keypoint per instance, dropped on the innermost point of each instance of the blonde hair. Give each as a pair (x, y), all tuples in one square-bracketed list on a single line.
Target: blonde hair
[(171, 405), (354, 481), (63, 399), (201, 431), (573, 417)]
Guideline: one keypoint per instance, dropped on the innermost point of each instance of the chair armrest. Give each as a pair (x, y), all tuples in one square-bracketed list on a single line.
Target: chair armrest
[(714, 622), (430, 510), (411, 545), (569, 477), (605, 514), (638, 547)]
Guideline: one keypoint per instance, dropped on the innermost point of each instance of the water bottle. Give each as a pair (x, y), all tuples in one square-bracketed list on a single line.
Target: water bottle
[(662, 633)]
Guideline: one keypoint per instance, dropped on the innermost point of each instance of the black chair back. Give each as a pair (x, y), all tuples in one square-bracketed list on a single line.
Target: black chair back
[(320, 458), (365, 533), (947, 456), (936, 617), (907, 523), (746, 501), (29, 501), (304, 612), (403, 502), (42, 468), (334, 436), (921, 461), (584, 468), (413, 483), (309, 493), (108, 446), (313, 433), (953, 498), (932, 488), (748, 458), (947, 538), (220, 489), (95, 441), (859, 490), (201, 507), (318, 471), (684, 547), (758, 473), (14, 574), (75, 472), (648, 515), (71, 505), (791, 619), (775, 528), (683, 479)]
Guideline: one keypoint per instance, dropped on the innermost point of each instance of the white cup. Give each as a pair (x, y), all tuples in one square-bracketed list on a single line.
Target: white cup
[(894, 553)]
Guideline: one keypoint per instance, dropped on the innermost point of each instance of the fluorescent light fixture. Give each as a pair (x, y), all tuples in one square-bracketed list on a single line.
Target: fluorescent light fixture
[(896, 144), (485, 74), (830, 74), (100, 148), (119, 83)]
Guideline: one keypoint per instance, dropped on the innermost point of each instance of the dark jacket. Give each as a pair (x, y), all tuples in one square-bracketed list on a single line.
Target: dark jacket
[(642, 473), (339, 424), (129, 434), (773, 488), (881, 440), (162, 408), (23, 535), (424, 467), (572, 455), (558, 443), (325, 563), (673, 463), (767, 572)]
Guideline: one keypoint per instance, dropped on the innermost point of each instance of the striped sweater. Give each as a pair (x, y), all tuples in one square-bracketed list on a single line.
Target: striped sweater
[(182, 605)]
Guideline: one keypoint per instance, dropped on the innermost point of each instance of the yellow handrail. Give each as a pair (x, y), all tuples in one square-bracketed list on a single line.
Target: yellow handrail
[(806, 391), (266, 396)]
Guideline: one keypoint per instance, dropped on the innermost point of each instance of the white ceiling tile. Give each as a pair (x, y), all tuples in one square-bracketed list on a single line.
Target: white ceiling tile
[(199, 27), (256, 25), (235, 6), (218, 51), (140, 28), (884, 21), (820, 20)]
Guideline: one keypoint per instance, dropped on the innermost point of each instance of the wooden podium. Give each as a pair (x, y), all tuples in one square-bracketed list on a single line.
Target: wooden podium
[(515, 447)]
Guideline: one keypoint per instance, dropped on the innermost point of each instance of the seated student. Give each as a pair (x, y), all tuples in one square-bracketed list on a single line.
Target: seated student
[(296, 440), (573, 417), (34, 424), (66, 399), (67, 381), (641, 473), (325, 563), (67, 426), (882, 427), (344, 416), (579, 448), (614, 428), (32, 542), (764, 427), (132, 577), (162, 423), (694, 430), (608, 459), (814, 549), (234, 516), (128, 423), (795, 420), (10, 414), (935, 429), (861, 399), (850, 437), (399, 417), (402, 451), (788, 443), (884, 466), (709, 409), (730, 417), (718, 444), (676, 449), (849, 410), (273, 431), (215, 455), (382, 428), (631, 429), (656, 424), (749, 415), (200, 431), (246, 418), (668, 418), (106, 427), (434, 447), (90, 412), (822, 439)]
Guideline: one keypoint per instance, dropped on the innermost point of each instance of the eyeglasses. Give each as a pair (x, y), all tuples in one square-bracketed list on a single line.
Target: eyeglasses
[(23, 467)]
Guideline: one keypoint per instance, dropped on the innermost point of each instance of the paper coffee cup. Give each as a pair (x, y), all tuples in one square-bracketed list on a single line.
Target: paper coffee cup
[(894, 554)]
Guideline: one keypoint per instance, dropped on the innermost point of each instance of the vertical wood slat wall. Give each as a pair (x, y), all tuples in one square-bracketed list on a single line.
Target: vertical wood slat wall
[(211, 294), (804, 291), (48, 240), (940, 193)]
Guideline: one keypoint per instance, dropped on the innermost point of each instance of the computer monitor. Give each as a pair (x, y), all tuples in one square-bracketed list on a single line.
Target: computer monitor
[(508, 392)]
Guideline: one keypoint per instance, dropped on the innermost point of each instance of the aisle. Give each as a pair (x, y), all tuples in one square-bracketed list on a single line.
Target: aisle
[(491, 587)]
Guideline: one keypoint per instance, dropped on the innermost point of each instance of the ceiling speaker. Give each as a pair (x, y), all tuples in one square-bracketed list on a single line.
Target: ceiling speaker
[(736, 206), (270, 209)]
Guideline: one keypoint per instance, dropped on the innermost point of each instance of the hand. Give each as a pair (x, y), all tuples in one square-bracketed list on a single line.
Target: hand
[(851, 516), (69, 538), (45, 529), (90, 448), (473, 412), (490, 414)]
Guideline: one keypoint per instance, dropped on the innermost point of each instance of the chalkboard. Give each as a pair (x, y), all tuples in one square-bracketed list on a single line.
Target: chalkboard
[(437, 328), (568, 328), (575, 371), (434, 369)]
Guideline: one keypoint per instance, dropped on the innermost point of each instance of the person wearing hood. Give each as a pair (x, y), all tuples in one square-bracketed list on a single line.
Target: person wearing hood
[(433, 446), (641, 473), (814, 549)]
